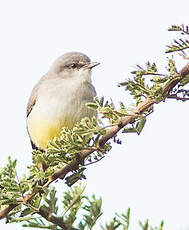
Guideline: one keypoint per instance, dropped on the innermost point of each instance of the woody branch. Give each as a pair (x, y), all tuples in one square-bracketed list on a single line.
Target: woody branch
[(140, 109)]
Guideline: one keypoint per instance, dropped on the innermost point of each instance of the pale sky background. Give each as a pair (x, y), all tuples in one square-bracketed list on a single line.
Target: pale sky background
[(148, 173)]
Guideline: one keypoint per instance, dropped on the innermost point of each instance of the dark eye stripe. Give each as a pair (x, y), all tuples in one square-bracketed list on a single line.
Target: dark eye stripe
[(76, 65), (71, 66)]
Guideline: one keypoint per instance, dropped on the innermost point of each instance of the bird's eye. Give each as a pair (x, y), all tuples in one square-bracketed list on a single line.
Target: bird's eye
[(73, 65)]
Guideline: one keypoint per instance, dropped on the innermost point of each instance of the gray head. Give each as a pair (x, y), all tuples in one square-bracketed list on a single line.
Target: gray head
[(72, 62)]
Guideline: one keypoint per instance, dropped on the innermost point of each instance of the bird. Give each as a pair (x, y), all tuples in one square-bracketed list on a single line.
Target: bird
[(59, 98)]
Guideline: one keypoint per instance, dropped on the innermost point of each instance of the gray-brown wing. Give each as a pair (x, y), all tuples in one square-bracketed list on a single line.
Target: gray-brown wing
[(33, 96), (32, 100), (31, 103)]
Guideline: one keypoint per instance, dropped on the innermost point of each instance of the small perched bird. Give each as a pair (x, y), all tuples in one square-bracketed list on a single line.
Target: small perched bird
[(59, 98)]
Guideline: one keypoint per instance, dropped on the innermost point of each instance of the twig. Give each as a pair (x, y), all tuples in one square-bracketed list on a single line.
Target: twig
[(55, 220), (95, 161), (174, 96)]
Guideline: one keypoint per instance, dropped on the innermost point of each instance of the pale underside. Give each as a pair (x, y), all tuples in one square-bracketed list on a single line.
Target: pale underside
[(61, 103)]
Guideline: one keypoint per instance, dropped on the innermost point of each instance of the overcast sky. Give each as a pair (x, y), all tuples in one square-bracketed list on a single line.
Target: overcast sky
[(148, 173)]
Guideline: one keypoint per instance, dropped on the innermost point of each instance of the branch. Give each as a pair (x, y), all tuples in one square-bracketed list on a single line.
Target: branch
[(55, 220), (5, 212), (174, 96), (85, 153)]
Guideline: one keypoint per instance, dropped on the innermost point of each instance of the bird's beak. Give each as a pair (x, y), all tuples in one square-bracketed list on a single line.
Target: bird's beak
[(91, 65)]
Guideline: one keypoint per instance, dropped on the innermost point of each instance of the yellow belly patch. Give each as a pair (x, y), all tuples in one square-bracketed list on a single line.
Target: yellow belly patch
[(42, 131)]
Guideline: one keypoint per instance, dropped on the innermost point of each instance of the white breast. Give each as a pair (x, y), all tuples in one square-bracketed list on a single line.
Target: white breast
[(61, 100)]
